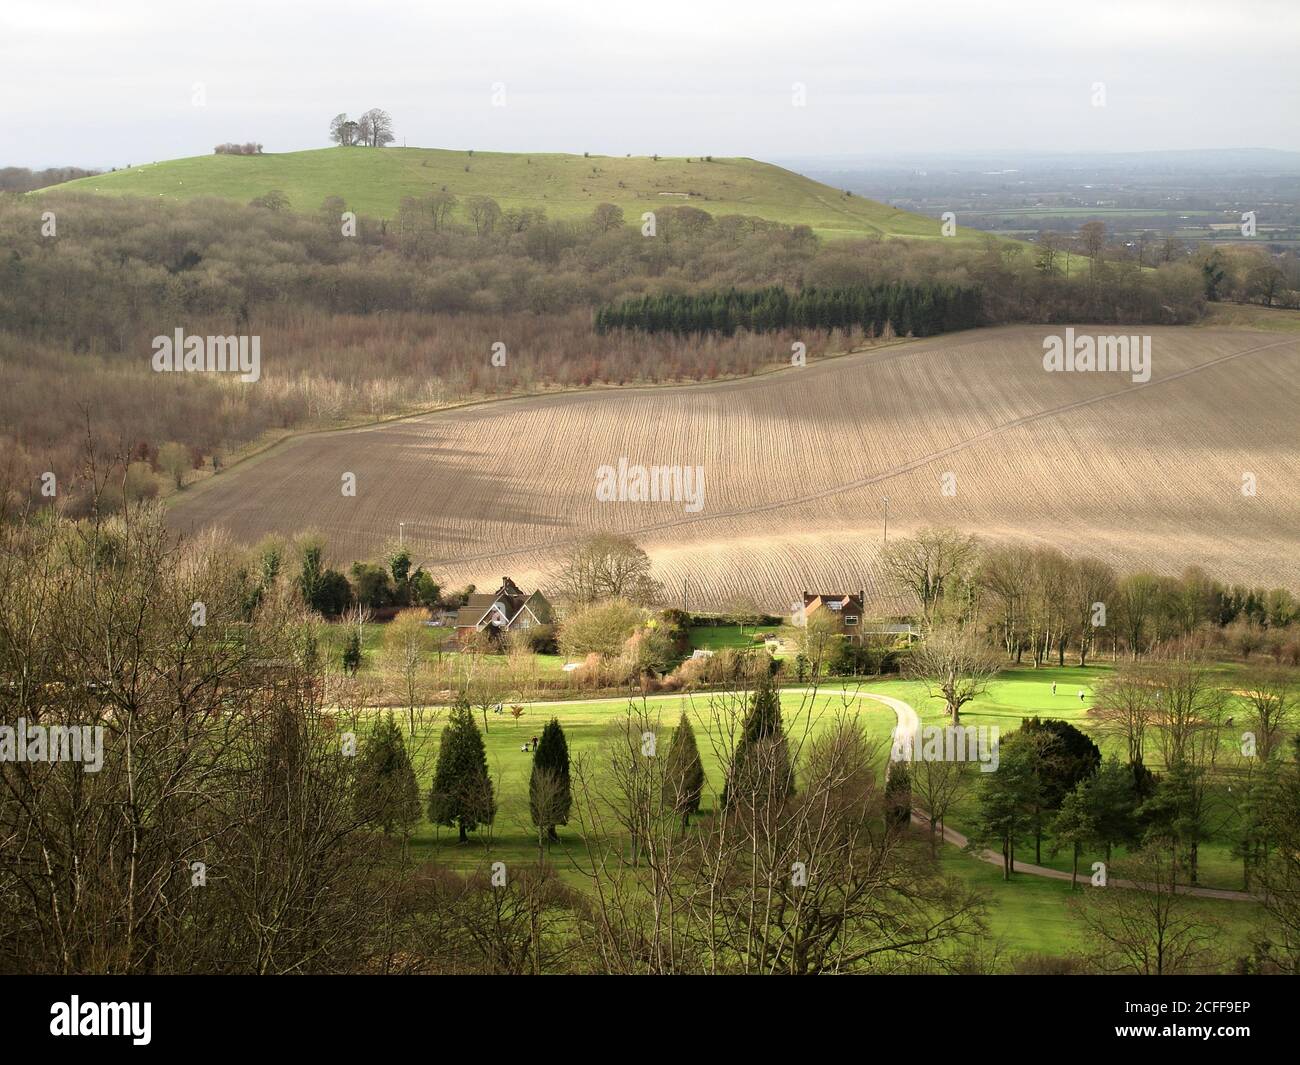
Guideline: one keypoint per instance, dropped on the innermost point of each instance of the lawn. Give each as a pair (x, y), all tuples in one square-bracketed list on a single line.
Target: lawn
[(1028, 915), (1018, 694), (716, 637), (1032, 915), (587, 725)]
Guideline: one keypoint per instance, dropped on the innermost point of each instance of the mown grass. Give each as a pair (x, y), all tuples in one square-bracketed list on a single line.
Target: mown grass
[(718, 637), (1033, 915), (374, 182), (1028, 915), (1018, 694)]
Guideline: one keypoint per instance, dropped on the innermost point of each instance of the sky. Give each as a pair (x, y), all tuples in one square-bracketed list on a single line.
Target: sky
[(110, 82)]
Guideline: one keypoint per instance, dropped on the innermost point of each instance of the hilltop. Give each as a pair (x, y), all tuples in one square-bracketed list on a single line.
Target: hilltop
[(374, 182)]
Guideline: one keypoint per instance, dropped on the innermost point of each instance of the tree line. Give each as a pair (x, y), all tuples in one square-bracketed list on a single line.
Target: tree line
[(1041, 603), (906, 309)]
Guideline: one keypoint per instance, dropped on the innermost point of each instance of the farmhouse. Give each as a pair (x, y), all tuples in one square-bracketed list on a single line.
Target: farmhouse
[(843, 611), (508, 609)]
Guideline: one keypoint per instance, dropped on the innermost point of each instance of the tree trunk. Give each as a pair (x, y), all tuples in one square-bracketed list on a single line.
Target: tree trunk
[(464, 838), (1074, 873)]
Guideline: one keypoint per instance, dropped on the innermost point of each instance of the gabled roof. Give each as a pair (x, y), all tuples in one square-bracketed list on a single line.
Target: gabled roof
[(509, 600), (811, 601)]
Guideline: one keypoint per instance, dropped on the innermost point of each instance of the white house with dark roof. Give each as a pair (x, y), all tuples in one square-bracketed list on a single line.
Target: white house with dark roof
[(508, 609)]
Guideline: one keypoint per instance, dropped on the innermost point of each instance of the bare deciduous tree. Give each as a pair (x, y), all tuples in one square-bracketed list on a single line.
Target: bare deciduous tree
[(930, 566), (956, 663), (604, 566)]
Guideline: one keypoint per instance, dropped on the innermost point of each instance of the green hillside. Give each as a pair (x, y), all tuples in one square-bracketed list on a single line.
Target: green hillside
[(374, 181)]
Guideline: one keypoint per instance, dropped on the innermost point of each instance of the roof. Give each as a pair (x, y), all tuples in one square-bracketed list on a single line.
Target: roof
[(508, 601), (811, 601)]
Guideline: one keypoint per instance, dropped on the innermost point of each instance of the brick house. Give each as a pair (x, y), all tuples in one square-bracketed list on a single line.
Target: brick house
[(845, 611)]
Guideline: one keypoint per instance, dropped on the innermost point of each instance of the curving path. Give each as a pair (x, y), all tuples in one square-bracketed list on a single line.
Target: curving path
[(909, 724)]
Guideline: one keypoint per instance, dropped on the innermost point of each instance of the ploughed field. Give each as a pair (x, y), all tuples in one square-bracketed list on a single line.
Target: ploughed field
[(966, 430)]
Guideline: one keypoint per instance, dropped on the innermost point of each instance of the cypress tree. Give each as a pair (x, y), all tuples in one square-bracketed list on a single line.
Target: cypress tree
[(352, 653), (684, 776), (462, 793), (386, 793), (550, 795), (760, 766), (898, 795)]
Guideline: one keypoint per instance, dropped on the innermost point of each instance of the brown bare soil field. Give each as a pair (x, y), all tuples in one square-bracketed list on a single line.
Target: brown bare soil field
[(795, 464)]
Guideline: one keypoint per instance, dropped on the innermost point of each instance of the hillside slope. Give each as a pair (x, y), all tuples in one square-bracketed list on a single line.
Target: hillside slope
[(373, 182), (1142, 475)]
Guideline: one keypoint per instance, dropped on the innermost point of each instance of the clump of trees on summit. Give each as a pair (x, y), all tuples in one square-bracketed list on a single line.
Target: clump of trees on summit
[(374, 129)]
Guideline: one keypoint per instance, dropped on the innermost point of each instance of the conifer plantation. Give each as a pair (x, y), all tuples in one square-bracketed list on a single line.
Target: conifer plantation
[(903, 309)]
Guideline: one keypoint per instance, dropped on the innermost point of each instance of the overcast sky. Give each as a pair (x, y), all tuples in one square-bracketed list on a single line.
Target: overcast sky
[(110, 82)]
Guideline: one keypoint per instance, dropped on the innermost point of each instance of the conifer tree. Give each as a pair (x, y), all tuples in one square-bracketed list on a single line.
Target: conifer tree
[(462, 793), (760, 767), (898, 795), (386, 793), (352, 653), (550, 795), (684, 776)]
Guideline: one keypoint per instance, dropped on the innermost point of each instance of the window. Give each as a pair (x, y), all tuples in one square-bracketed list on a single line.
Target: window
[(850, 619)]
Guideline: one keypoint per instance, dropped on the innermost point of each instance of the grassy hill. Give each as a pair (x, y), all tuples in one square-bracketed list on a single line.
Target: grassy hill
[(373, 182)]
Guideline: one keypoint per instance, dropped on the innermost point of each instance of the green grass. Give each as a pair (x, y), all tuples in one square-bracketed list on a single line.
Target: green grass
[(373, 182), (717, 637), (1018, 694), (1028, 915), (1032, 915), (586, 726), (1251, 316)]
